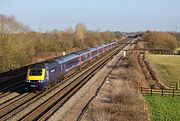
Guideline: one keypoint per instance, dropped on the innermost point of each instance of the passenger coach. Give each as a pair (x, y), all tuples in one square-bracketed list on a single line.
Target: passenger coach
[(41, 76)]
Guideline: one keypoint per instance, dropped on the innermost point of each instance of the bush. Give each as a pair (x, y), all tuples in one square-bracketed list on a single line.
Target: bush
[(16, 49), (177, 35), (162, 40), (19, 46)]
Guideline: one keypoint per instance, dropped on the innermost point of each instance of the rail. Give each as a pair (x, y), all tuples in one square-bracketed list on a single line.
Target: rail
[(13, 108), (53, 103)]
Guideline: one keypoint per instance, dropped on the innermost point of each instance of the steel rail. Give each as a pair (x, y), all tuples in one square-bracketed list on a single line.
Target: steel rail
[(62, 96)]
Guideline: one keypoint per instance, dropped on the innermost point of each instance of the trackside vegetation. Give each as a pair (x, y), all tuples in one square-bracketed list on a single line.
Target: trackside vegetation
[(160, 40), (163, 108), (120, 99), (19, 45), (177, 35)]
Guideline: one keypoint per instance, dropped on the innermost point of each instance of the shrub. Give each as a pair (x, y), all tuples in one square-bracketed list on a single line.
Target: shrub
[(16, 48), (161, 40), (19, 46)]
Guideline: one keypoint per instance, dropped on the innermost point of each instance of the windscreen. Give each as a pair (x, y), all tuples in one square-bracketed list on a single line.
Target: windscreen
[(35, 72)]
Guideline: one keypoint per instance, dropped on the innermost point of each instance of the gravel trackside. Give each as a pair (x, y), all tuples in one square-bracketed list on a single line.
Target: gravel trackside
[(119, 99), (12, 95), (71, 109)]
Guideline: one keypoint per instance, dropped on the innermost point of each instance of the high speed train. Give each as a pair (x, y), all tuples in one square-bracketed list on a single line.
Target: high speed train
[(43, 75)]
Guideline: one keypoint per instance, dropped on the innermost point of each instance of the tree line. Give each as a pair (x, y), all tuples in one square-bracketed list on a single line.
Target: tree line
[(19, 45), (160, 40)]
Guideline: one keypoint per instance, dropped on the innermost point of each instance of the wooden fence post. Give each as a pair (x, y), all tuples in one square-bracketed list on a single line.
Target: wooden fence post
[(173, 92), (151, 90), (176, 85)]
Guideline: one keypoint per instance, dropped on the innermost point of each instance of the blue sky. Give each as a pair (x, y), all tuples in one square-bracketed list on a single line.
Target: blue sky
[(121, 15)]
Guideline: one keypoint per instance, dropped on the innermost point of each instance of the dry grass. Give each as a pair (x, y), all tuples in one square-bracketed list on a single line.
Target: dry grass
[(120, 100), (122, 104)]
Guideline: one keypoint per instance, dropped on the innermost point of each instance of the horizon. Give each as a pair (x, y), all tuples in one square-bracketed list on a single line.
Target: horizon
[(124, 16)]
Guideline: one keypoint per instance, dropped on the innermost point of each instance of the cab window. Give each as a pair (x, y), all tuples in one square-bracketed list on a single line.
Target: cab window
[(36, 72)]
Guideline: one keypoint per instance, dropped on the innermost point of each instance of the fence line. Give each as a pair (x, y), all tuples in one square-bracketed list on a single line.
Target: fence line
[(161, 92), (171, 85), (174, 85)]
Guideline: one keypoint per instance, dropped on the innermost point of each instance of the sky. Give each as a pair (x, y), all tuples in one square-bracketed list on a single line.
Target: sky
[(101, 15)]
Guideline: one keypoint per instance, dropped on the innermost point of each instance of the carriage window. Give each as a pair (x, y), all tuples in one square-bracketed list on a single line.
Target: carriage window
[(94, 53), (35, 72), (85, 57), (72, 63)]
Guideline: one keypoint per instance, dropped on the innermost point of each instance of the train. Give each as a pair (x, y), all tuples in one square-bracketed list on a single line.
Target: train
[(43, 75)]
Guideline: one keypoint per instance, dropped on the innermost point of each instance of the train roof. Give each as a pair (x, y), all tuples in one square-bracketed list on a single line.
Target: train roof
[(103, 45), (58, 60), (109, 43), (81, 52), (98, 47), (37, 65), (92, 49), (50, 63), (46, 64), (66, 57)]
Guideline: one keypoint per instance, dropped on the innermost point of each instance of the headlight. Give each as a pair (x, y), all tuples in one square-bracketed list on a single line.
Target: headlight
[(41, 81), (28, 81)]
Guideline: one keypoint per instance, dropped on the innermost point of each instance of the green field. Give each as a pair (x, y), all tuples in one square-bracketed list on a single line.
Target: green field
[(166, 66), (164, 108)]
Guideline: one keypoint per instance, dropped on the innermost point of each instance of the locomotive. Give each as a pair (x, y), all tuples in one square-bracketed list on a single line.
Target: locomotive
[(41, 76)]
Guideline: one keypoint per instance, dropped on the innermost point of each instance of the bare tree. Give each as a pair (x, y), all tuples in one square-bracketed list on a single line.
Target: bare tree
[(15, 48), (161, 40), (80, 31), (10, 24), (79, 35)]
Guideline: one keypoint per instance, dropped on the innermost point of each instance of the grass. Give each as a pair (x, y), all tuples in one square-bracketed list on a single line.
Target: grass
[(177, 51), (164, 108), (178, 48), (120, 100), (166, 66)]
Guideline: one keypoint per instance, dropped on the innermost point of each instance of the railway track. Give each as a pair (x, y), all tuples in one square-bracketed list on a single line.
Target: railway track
[(11, 85), (52, 104), (10, 80), (12, 89), (4, 80), (12, 74), (8, 110), (87, 105), (63, 95), (17, 104)]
